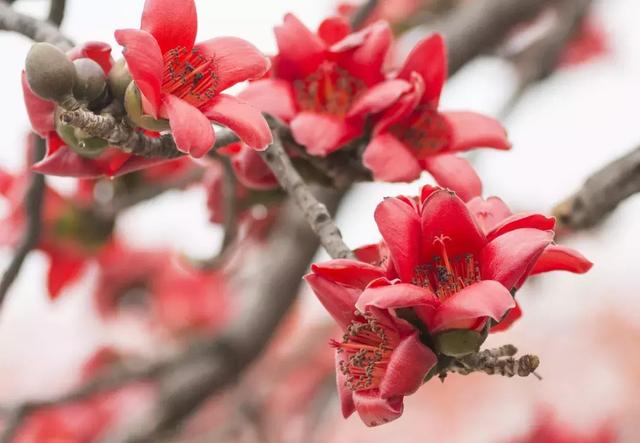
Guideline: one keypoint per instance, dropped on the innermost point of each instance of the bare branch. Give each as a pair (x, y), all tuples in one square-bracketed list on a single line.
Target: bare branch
[(56, 11), (601, 193), (36, 30), (33, 201), (361, 15)]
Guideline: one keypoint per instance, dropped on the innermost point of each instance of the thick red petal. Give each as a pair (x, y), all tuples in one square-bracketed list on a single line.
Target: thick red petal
[(511, 317), (390, 160), (374, 410), (172, 23), (509, 258), (66, 163), (408, 364), (486, 298), (399, 224), (252, 171), (236, 60), (144, 60), (523, 220), (470, 130), (378, 98), (561, 258), (191, 130), (272, 96), (429, 59), (300, 50), (455, 173), (63, 269), (352, 273), (242, 118), (488, 213), (445, 217), (385, 295), (366, 60), (333, 29), (40, 111), (322, 134), (338, 300), (99, 52)]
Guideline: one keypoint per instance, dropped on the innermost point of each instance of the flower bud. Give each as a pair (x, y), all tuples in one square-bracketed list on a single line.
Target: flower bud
[(50, 73), (90, 80), (78, 141), (119, 79), (133, 105), (458, 342)]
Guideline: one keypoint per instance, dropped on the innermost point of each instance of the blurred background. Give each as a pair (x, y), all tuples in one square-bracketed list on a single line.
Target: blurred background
[(586, 329)]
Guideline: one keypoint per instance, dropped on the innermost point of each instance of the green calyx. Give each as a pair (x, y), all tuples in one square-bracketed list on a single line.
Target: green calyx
[(50, 74), (458, 342), (119, 79), (133, 106)]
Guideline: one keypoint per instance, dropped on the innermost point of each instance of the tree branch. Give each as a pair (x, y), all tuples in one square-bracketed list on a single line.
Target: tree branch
[(36, 30), (33, 201), (361, 15), (500, 361), (56, 11), (601, 193)]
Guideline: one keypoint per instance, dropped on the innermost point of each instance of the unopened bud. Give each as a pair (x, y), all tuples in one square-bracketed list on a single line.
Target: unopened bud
[(458, 342), (133, 105), (119, 79), (50, 73), (90, 80)]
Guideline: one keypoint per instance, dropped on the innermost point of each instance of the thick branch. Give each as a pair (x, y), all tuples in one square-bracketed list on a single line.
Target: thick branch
[(33, 201), (36, 30), (314, 211), (601, 193)]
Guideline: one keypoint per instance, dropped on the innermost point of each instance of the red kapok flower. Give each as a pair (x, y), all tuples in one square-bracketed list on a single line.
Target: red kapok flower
[(183, 81), (380, 358), (316, 78), (411, 135), (495, 218)]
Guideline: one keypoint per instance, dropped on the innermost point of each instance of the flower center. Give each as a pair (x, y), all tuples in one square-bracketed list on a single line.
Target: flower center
[(189, 75), (366, 346), (425, 131), (330, 89), (446, 275)]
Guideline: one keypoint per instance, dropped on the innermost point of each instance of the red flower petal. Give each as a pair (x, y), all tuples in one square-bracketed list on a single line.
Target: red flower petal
[(322, 134), (191, 130), (300, 50), (365, 62), (488, 213), (272, 96), (345, 394), (385, 295), (444, 214), (378, 98), (66, 163), (374, 410), (390, 160), (523, 220), (63, 269), (429, 59), (40, 111), (399, 225), (455, 173), (408, 364), (471, 130), (144, 60), (338, 300), (252, 171), (510, 257), (172, 23), (511, 317), (242, 118), (236, 60), (561, 258), (486, 298), (333, 29), (99, 52), (348, 272)]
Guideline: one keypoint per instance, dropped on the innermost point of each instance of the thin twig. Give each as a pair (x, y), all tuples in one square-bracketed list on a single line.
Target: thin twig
[(33, 201), (56, 11), (601, 193), (36, 30), (314, 211), (362, 14)]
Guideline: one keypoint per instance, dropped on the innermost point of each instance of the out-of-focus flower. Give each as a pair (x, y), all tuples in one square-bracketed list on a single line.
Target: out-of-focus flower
[(70, 236), (392, 11), (178, 299), (495, 218), (182, 81), (316, 78), (589, 42), (411, 135)]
